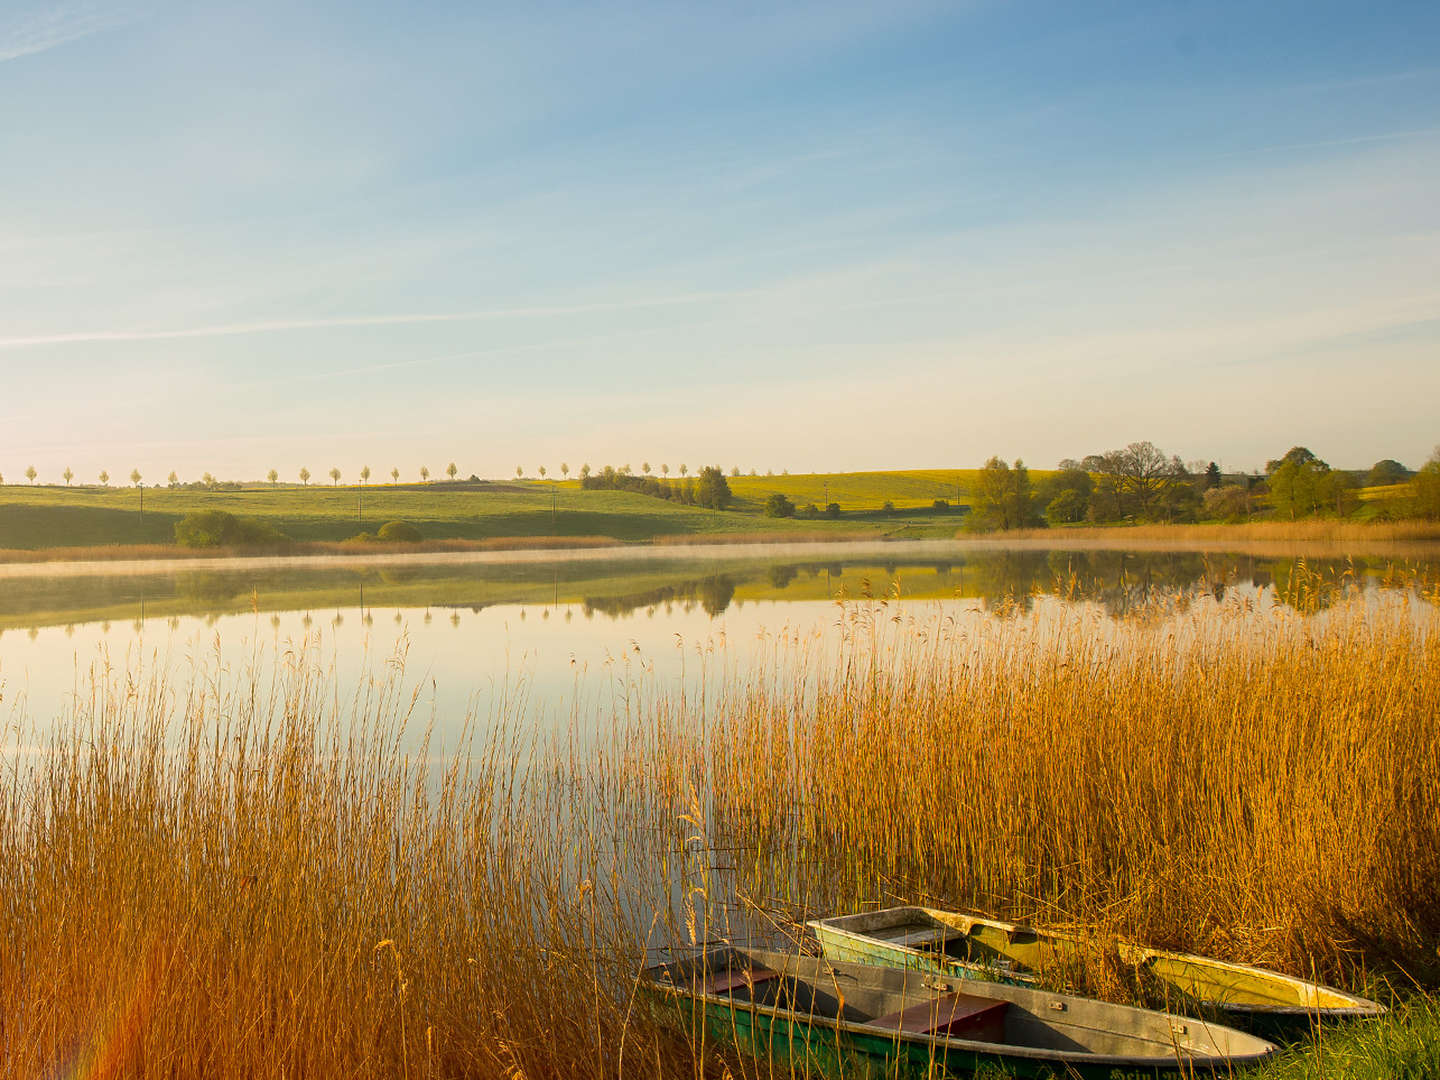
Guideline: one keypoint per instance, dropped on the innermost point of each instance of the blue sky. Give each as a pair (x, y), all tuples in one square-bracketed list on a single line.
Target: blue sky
[(809, 236)]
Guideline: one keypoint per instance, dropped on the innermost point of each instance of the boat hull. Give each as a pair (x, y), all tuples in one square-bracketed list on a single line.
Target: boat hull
[(839, 1019), (833, 1052), (1263, 1002)]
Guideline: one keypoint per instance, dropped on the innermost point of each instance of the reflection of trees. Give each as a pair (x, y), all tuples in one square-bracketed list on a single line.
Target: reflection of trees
[(215, 590), (716, 593), (1121, 581), (1125, 581), (782, 574), (1005, 579), (626, 603)]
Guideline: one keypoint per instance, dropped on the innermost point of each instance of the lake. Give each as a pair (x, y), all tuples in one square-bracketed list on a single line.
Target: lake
[(572, 633)]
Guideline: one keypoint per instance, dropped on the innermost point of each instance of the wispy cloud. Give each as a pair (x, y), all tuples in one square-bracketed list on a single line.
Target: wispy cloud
[(1321, 144), (44, 27), (404, 319)]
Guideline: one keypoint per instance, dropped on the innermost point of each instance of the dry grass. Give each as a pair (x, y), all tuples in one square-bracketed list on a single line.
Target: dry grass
[(252, 876), (819, 537), (1314, 530)]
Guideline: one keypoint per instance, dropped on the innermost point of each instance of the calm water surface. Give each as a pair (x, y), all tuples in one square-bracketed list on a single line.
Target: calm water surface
[(570, 635)]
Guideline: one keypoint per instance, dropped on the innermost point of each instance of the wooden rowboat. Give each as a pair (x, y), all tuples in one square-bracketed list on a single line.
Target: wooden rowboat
[(967, 946), (858, 1019)]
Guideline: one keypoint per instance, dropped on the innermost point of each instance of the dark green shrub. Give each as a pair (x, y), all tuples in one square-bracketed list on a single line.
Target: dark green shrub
[(779, 506), (399, 532), (217, 528), (832, 510)]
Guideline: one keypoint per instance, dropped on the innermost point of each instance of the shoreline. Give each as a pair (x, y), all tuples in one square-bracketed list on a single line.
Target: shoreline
[(669, 549)]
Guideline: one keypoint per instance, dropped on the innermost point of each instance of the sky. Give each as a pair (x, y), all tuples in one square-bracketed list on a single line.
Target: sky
[(814, 237)]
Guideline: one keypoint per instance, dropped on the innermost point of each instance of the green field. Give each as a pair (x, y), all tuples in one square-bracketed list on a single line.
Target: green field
[(47, 516)]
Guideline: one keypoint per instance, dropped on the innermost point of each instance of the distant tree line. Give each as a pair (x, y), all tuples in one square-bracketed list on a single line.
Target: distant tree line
[(1142, 483)]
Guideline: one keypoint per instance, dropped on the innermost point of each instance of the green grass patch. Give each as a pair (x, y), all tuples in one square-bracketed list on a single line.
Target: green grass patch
[(37, 518), (1402, 1045)]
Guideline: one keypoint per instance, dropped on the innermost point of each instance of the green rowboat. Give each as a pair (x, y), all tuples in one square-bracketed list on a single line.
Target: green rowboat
[(854, 1020), (967, 946)]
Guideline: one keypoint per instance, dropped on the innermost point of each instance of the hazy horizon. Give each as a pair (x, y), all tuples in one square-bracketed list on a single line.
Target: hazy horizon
[(816, 238)]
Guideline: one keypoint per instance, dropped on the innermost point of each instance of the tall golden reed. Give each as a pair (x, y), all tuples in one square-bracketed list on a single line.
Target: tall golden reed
[(1265, 787)]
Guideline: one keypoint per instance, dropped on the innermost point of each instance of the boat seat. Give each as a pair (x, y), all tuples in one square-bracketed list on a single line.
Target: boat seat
[(963, 1016), (913, 938), (725, 982)]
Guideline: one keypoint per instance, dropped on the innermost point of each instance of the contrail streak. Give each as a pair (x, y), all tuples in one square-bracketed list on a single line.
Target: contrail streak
[(281, 325)]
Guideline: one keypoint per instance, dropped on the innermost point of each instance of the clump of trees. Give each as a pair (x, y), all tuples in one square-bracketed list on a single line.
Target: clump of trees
[(1228, 502), (1003, 499), (1301, 485), (709, 488), (1066, 495), (1385, 472), (1138, 482), (217, 528), (1142, 483)]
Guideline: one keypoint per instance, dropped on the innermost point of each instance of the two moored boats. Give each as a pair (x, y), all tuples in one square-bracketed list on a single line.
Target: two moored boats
[(908, 990)]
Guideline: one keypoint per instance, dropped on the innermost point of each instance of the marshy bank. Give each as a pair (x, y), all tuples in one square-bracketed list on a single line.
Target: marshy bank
[(255, 870)]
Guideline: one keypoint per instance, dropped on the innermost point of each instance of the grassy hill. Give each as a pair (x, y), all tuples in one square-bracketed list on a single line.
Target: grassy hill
[(47, 516)]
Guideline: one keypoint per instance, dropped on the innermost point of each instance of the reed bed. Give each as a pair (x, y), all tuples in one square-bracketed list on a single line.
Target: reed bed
[(125, 552), (1311, 530), (250, 873), (250, 876), (1263, 789)]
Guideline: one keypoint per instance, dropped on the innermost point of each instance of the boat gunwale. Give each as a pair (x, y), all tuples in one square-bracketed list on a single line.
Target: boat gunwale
[(1356, 1007)]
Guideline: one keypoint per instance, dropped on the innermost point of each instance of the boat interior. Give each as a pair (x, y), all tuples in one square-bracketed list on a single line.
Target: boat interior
[(965, 942)]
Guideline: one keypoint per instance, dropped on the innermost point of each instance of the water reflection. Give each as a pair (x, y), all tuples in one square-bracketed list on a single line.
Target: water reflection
[(1009, 580)]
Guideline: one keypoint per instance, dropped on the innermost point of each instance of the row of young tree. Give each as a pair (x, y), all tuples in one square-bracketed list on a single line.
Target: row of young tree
[(1140, 482), (304, 475), (32, 474), (209, 480)]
